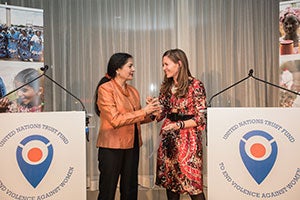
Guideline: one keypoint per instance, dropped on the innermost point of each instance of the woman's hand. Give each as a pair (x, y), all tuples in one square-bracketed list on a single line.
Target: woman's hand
[(149, 99), (173, 126), (152, 106)]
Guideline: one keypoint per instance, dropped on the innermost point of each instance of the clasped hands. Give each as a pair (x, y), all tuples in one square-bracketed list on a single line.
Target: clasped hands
[(153, 106)]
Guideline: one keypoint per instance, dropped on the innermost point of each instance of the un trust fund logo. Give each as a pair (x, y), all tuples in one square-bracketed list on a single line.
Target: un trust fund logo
[(261, 146), (34, 155), (33, 147), (258, 151)]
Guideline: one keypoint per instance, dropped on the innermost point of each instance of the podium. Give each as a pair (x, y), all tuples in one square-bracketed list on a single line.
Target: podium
[(253, 153), (43, 156)]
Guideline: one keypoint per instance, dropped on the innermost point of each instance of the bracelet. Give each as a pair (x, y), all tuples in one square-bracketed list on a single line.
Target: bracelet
[(180, 124)]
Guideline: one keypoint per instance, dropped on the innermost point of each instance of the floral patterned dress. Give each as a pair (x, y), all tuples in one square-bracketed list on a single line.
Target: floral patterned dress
[(179, 157)]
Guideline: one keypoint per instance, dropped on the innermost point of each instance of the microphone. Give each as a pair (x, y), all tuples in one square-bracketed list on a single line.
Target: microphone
[(67, 91), (87, 117), (44, 69), (250, 72), (249, 75), (274, 85), (27, 83)]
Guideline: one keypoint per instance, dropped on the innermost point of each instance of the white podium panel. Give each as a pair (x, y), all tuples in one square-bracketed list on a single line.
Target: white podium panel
[(43, 156), (253, 153)]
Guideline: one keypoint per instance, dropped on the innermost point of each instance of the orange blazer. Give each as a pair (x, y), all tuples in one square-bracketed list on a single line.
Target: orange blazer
[(119, 111)]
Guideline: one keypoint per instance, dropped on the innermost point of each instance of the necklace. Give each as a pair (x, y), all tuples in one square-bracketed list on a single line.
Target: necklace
[(173, 89)]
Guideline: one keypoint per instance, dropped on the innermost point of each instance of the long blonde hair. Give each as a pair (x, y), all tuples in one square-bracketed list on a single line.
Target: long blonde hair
[(184, 73)]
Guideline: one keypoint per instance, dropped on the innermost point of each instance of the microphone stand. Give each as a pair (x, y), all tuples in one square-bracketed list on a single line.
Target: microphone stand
[(22, 86), (277, 86), (250, 74), (211, 98), (87, 117), (44, 69)]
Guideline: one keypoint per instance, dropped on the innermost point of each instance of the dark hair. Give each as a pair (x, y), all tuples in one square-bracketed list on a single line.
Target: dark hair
[(28, 75), (184, 73), (287, 13), (116, 61)]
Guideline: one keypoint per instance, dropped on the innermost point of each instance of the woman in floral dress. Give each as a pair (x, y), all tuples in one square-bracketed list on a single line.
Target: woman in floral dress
[(179, 157)]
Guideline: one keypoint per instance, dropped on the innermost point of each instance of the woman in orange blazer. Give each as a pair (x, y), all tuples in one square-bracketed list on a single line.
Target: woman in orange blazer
[(119, 138)]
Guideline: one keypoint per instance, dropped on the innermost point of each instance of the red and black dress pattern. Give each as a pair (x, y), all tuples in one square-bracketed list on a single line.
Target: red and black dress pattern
[(179, 157)]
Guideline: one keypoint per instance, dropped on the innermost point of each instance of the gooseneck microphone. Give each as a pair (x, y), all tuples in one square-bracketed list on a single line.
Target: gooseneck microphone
[(27, 83), (250, 74), (44, 70), (87, 117), (274, 85)]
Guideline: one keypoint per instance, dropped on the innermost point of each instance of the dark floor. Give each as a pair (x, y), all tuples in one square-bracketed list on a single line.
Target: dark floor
[(144, 194)]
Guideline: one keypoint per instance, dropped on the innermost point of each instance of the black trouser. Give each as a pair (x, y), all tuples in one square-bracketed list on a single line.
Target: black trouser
[(119, 162)]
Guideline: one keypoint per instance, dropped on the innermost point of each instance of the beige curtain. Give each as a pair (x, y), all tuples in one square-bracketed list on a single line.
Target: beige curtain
[(223, 39)]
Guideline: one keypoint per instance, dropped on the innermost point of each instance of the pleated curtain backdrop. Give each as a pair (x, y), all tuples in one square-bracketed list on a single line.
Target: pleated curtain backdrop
[(223, 40)]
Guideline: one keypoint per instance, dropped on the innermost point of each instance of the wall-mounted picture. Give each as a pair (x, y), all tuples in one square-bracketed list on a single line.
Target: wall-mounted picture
[(21, 57), (289, 50)]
